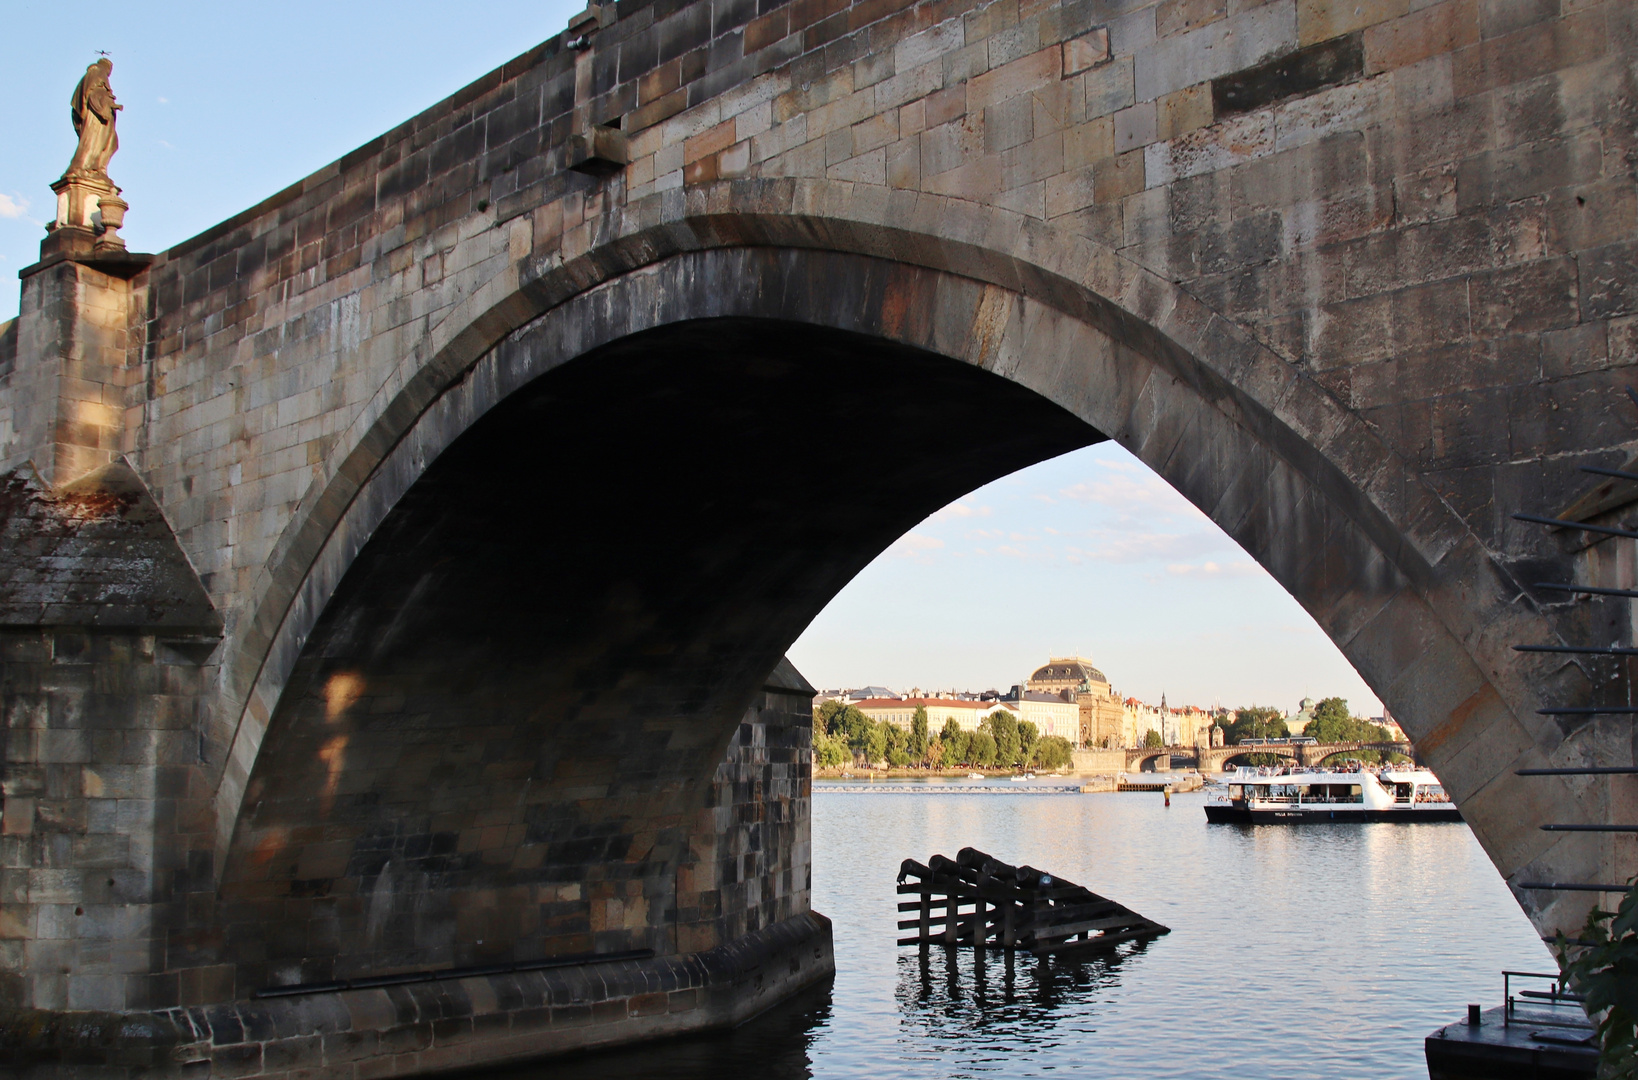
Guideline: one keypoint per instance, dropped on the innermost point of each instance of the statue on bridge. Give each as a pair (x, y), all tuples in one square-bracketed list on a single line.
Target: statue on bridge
[(94, 111), (89, 209)]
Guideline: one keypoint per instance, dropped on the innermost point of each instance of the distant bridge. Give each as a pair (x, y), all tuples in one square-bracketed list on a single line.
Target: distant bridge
[(1214, 758)]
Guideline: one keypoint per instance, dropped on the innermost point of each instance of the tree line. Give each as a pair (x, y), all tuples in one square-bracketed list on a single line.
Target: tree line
[(1333, 722), (842, 735)]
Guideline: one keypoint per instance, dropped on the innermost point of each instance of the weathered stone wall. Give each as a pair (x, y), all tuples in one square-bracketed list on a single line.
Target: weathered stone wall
[(100, 729), (401, 825), (472, 1021), (74, 358), (1355, 277)]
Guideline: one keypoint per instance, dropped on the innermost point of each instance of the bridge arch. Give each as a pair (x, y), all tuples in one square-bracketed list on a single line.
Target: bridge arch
[(1298, 481)]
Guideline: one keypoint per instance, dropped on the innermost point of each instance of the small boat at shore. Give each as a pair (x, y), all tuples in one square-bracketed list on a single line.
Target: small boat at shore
[(1287, 797)]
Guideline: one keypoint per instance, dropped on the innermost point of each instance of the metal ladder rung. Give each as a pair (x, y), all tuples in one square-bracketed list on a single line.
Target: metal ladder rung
[(1590, 770), (1619, 474), (1593, 650), (1596, 590), (1607, 530)]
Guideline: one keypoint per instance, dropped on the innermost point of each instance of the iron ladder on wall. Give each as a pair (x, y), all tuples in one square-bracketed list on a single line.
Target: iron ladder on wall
[(1585, 710)]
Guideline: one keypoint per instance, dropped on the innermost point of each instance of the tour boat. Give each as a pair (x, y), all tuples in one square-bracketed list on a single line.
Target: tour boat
[(1258, 797)]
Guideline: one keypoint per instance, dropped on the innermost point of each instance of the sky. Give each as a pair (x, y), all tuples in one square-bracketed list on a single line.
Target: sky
[(227, 104), (1088, 554)]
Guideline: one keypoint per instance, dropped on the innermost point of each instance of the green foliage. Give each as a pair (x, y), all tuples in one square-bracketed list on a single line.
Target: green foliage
[(824, 717), (1606, 975), (1332, 723), (830, 752), (1151, 738), (1255, 722), (919, 740), (981, 751), (953, 744), (898, 745), (1003, 728), (875, 743), (1029, 737), (1053, 752)]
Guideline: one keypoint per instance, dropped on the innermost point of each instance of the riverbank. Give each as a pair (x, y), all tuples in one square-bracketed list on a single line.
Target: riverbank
[(854, 772)]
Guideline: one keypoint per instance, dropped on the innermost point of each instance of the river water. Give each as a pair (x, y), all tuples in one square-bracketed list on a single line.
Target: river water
[(1318, 952)]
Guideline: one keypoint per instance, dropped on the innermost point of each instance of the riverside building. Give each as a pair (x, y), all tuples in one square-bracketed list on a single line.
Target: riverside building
[(1097, 707)]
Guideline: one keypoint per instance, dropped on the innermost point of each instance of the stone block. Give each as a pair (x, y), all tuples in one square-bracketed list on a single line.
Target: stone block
[(1215, 49), (1135, 127), (1109, 89), (1032, 72), (1607, 285), (1088, 50)]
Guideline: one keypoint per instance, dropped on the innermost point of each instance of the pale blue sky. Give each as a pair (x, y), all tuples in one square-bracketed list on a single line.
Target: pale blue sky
[(1092, 553), (227, 104)]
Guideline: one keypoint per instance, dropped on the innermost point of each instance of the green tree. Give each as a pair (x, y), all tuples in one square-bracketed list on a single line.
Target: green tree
[(824, 717), (830, 752), (1151, 738), (1334, 723), (875, 744), (898, 746), (1003, 728), (919, 740), (1255, 722), (854, 726), (1029, 737), (1053, 752), (957, 745), (981, 751)]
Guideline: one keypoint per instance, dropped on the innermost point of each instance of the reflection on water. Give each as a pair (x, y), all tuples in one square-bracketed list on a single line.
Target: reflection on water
[(1321, 951), (1001, 996), (774, 1046)]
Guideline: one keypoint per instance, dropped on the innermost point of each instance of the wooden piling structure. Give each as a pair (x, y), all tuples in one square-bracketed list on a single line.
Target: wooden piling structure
[(977, 901)]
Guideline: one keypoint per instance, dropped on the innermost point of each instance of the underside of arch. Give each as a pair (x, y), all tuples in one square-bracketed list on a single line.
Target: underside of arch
[(1309, 524)]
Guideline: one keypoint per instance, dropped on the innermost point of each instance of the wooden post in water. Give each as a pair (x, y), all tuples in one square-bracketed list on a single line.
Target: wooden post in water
[(1014, 907)]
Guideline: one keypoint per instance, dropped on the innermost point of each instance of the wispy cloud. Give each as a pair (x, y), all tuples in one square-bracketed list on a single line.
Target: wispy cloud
[(1211, 569), (14, 206), (958, 510), (1129, 546), (916, 547)]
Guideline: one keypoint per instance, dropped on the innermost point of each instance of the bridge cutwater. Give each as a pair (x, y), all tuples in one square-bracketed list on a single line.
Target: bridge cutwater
[(395, 577)]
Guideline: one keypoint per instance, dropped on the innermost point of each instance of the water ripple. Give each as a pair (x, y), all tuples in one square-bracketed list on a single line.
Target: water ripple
[(1321, 952)]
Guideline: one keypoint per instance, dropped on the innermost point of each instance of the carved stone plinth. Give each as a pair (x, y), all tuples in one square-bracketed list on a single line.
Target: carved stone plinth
[(89, 216)]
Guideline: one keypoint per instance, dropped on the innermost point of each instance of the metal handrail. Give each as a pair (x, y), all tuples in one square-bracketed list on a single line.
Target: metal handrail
[(1557, 997)]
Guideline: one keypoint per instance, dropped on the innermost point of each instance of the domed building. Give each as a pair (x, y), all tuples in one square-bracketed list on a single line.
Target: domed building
[(1074, 678)]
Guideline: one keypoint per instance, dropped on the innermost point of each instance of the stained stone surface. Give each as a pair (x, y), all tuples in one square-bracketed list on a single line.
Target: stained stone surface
[(1356, 278)]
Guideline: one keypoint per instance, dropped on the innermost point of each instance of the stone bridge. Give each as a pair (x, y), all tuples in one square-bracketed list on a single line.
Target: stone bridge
[(1216, 758), (393, 573)]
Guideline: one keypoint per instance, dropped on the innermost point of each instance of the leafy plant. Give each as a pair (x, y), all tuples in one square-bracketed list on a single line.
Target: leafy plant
[(1602, 965)]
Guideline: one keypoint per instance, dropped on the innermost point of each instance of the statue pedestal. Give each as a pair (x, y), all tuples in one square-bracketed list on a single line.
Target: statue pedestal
[(89, 215)]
